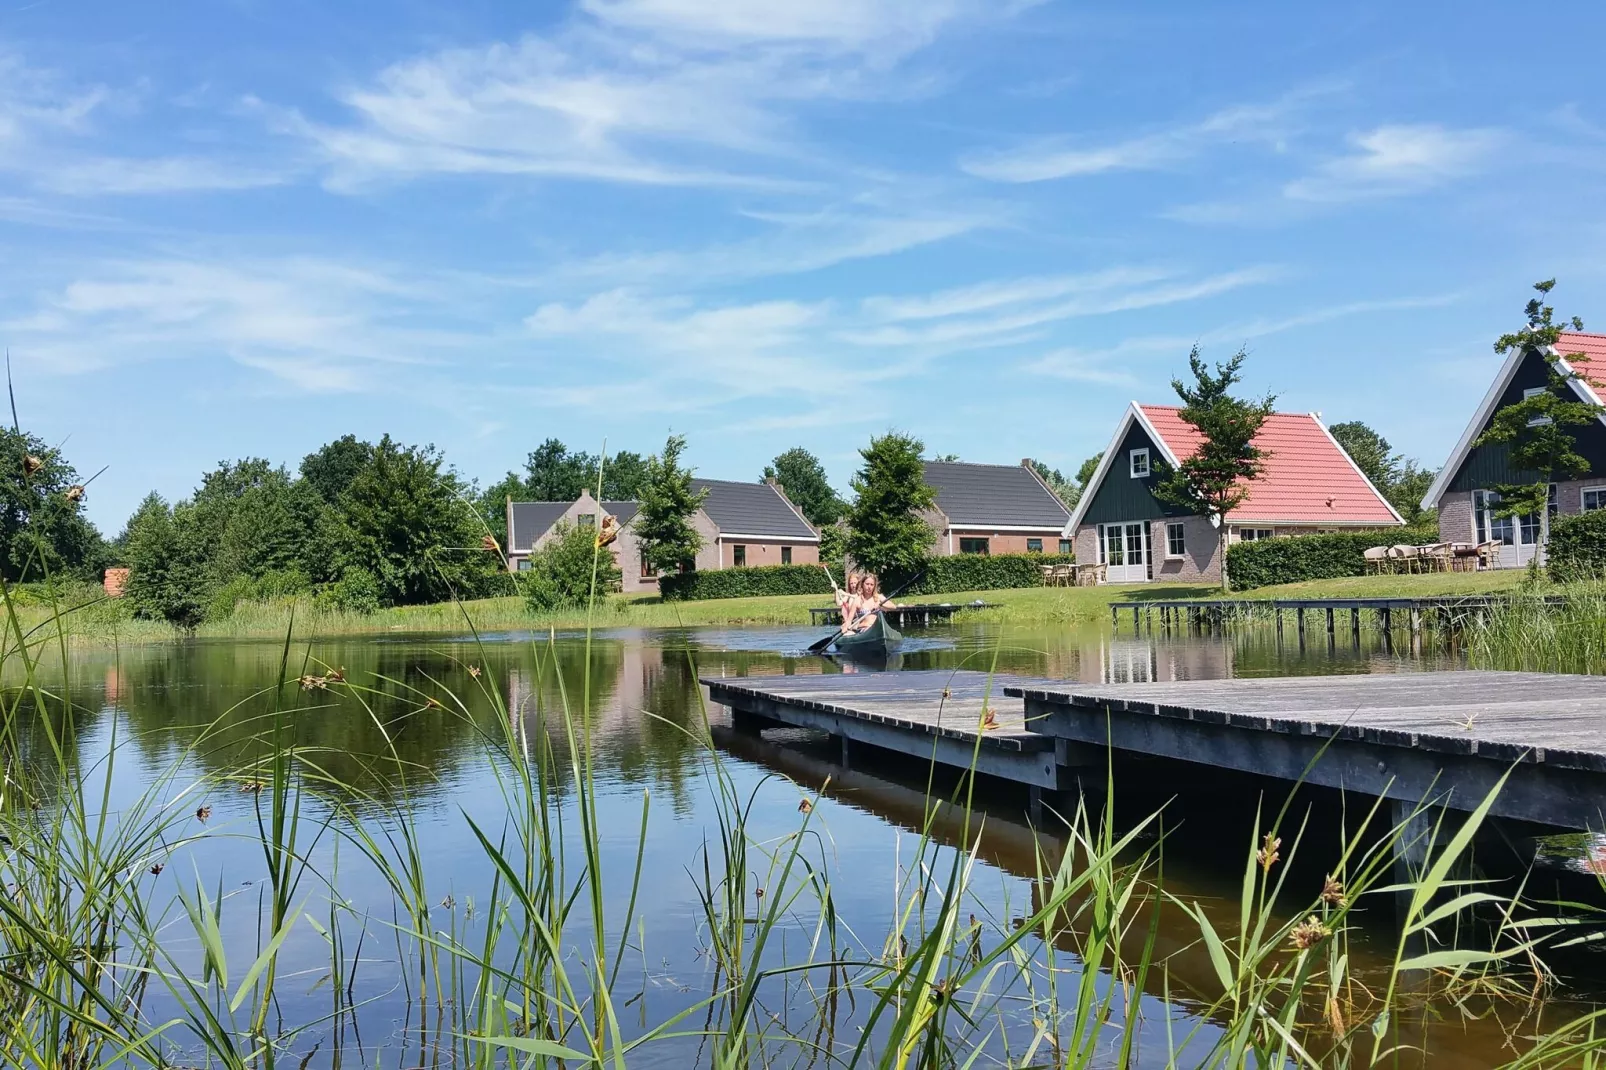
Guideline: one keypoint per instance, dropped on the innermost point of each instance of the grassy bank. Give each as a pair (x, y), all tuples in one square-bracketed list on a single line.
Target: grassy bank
[(97, 620)]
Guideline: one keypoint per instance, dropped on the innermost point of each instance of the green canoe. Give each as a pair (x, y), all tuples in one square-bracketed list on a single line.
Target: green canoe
[(879, 641)]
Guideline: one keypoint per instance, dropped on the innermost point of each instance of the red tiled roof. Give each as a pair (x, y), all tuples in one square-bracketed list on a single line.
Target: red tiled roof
[(1307, 478), (1593, 365)]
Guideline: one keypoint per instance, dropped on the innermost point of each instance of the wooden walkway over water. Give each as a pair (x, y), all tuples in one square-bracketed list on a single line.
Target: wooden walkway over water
[(1445, 736), (1444, 611)]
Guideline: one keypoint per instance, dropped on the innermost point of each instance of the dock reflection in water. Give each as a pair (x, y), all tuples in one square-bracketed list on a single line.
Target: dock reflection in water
[(643, 713)]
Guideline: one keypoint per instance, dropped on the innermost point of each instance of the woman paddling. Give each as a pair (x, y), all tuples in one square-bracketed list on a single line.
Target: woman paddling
[(868, 607)]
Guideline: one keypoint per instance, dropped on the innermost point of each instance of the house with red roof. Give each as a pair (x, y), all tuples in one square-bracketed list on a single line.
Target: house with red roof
[(1464, 491), (1307, 484)]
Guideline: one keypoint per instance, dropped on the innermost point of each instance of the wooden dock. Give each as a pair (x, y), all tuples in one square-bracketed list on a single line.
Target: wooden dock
[(1443, 736), (902, 616), (1445, 611)]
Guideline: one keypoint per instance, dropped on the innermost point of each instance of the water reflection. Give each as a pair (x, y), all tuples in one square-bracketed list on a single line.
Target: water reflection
[(414, 738)]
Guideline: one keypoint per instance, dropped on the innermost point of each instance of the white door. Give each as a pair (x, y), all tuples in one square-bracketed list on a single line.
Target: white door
[(1124, 550), (1518, 536)]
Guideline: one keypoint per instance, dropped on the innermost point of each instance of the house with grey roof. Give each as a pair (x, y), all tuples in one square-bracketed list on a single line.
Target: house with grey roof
[(994, 509), (741, 524), (752, 524)]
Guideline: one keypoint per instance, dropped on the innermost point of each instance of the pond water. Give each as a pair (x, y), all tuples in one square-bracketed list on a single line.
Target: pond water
[(413, 752)]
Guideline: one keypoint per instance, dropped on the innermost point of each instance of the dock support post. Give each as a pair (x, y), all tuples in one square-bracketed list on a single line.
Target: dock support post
[(1415, 828), (1135, 629), (1416, 620), (844, 752), (1329, 622), (1034, 806), (1355, 625), (1299, 618), (1115, 617)]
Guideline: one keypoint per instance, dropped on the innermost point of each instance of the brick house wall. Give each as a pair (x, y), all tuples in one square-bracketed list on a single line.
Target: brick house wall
[(767, 551), (1201, 546), (1455, 516), (998, 542)]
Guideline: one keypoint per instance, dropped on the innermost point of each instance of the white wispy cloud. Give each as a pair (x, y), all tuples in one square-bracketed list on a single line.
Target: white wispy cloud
[(655, 92), (1066, 157), (1395, 159)]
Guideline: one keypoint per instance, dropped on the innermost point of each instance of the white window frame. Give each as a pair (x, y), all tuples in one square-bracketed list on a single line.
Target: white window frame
[(1583, 498), (1258, 534), (1132, 458), (1182, 540), (1533, 392)]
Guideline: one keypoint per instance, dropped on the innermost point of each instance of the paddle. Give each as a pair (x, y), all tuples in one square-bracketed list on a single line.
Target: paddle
[(819, 647)]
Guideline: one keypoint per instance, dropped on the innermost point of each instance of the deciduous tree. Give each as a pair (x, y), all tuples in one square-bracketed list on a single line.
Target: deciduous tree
[(886, 533), (1214, 480), (663, 523), (42, 526), (1537, 429), (802, 477), (564, 572)]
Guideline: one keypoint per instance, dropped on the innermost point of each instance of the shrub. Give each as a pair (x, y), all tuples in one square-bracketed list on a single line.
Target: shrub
[(1296, 558), (269, 587), (356, 591), (754, 582), (964, 572), (1577, 547), (559, 576), (982, 572)]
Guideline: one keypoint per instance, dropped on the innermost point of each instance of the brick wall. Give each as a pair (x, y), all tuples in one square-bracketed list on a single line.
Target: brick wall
[(1455, 517), (1201, 549), (116, 579), (999, 542)]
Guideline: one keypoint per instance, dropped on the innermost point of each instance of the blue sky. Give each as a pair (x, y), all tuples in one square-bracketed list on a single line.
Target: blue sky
[(243, 228)]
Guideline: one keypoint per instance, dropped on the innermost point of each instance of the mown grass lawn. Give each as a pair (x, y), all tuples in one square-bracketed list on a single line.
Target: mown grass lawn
[(1069, 605)]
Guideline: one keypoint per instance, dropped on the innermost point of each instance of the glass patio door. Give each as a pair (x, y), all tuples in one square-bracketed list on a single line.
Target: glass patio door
[(1124, 549)]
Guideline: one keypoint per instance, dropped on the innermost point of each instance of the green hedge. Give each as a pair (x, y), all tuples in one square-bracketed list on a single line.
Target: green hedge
[(981, 572), (1577, 548), (1296, 558), (744, 583), (962, 572)]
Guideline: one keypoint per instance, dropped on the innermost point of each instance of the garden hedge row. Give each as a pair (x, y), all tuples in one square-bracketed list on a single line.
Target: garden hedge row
[(744, 583), (962, 572), (1577, 547), (1297, 558)]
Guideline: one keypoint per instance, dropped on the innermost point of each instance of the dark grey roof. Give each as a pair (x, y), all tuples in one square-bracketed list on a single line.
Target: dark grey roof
[(751, 509), (999, 495), (624, 512), (530, 521)]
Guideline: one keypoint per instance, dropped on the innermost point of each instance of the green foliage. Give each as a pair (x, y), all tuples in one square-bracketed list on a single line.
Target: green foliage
[(961, 572), (268, 587), (330, 469), (1215, 479), (356, 591), (1298, 558), (802, 477), (984, 572), (886, 533), (834, 548), (1085, 473), (560, 573), (553, 474), (1065, 490), (167, 573), (663, 523), (1537, 428), (1577, 547), (405, 521), (42, 527), (745, 583), (1402, 482)]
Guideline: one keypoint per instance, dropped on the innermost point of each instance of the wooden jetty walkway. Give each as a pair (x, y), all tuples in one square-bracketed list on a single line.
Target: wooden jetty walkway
[(902, 616), (1441, 736), (1445, 611)]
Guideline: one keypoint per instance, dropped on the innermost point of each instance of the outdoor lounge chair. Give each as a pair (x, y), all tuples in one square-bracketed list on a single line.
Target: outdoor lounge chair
[(1377, 558)]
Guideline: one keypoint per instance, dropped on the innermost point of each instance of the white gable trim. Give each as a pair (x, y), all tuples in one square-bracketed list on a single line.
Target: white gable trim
[(1133, 413), (1344, 453), (1486, 408)]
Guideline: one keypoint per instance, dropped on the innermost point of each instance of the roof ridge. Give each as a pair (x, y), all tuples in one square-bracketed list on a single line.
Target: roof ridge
[(977, 464)]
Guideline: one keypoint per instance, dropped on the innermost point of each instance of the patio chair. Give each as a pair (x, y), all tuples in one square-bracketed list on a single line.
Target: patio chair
[(1376, 558), (1064, 576), (1404, 557), (1434, 556), (1489, 554), (1463, 557), (1048, 575)]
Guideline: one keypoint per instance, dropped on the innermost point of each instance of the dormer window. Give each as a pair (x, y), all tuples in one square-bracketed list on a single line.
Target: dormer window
[(1139, 460)]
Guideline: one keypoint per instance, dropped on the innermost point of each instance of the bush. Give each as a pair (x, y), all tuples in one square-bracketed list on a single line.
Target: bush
[(983, 572), (753, 582), (559, 576), (964, 572), (269, 587), (1297, 558), (356, 591), (1577, 548)]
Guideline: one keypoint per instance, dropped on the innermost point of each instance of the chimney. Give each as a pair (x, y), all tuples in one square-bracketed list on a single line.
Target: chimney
[(1026, 462)]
